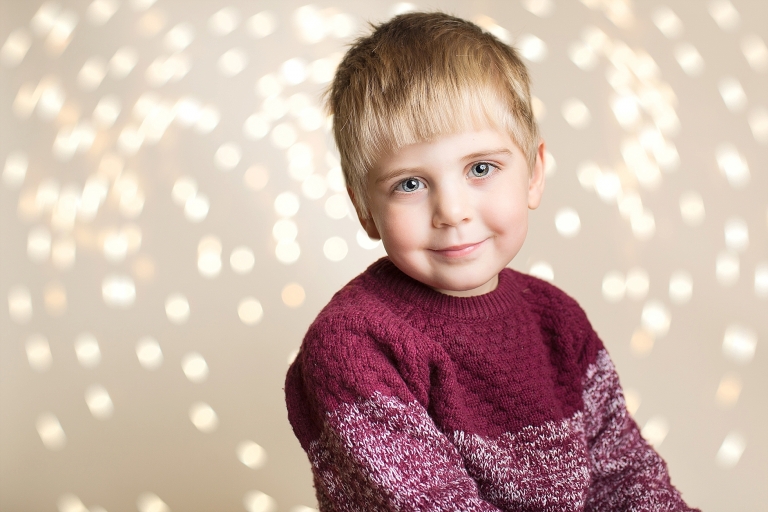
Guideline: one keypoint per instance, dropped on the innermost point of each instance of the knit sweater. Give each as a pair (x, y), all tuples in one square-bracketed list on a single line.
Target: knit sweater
[(408, 399)]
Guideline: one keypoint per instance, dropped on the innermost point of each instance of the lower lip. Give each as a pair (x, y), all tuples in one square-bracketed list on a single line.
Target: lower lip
[(458, 253)]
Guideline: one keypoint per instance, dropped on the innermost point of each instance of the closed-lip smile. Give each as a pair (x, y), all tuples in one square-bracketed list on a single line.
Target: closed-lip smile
[(456, 251)]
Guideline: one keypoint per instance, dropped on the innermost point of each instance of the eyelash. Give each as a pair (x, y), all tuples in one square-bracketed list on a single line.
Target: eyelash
[(491, 170)]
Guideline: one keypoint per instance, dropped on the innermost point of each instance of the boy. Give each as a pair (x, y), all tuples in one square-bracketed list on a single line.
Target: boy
[(439, 379)]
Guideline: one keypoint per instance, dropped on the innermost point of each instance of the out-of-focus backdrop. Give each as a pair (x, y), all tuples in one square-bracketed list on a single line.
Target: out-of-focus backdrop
[(173, 216)]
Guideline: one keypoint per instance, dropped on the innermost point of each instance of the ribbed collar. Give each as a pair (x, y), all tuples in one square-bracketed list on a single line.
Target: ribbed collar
[(385, 280)]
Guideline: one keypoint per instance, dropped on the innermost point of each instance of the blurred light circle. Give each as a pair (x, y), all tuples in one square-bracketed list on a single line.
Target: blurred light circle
[(251, 454), (203, 417), (285, 230), (655, 430), (55, 298), (680, 287), (727, 268), (335, 179), (614, 286), (261, 24), (656, 318), (224, 21), (269, 85), (51, 100), (287, 204), (99, 402), (208, 120), (196, 208), (293, 295), (92, 73), (736, 234), (257, 501), (336, 206), (256, 127), (758, 123), (297, 103), (227, 156), (50, 431), (341, 25), (739, 343), (541, 8), (643, 225), (733, 165), (731, 450), (630, 204), (667, 22), (210, 244), (130, 140), (118, 291), (233, 62), (583, 55), (733, 94), (69, 502), (20, 304), (567, 222), (310, 23), (761, 280), (149, 353), (15, 169), (183, 189), (177, 308), (689, 58), (39, 244), (106, 112), (335, 248), (115, 247), (38, 353), (123, 62), (314, 186), (542, 270), (287, 252), (728, 390), (150, 502), (637, 283), (15, 48), (283, 135), (256, 177), (187, 111), (294, 71), (194, 367), (692, 208), (576, 113), (311, 119), (321, 70), (531, 47), (754, 50), (179, 37), (725, 14), (209, 264), (242, 260), (87, 350), (364, 241), (587, 174), (608, 186), (250, 311), (274, 107)]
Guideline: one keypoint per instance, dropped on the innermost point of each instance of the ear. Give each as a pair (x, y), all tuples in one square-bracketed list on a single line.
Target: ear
[(536, 180), (365, 218)]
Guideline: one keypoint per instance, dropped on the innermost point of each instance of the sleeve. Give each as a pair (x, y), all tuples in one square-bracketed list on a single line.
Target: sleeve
[(371, 443), (626, 472)]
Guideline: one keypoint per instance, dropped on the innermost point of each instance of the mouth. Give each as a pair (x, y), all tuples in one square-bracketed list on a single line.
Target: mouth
[(457, 251)]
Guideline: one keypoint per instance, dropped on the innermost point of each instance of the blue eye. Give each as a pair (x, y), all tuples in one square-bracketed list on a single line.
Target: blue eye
[(481, 169), (410, 185)]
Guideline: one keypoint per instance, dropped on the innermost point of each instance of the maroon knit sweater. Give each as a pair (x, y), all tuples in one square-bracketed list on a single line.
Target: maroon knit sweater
[(408, 399)]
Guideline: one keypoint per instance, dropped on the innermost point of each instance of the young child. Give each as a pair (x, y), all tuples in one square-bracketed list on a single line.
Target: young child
[(439, 379)]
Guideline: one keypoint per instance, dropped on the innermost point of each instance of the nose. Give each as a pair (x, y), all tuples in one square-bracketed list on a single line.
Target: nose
[(451, 206)]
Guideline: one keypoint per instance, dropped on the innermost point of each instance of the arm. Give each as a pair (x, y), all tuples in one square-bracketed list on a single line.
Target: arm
[(371, 444), (626, 472)]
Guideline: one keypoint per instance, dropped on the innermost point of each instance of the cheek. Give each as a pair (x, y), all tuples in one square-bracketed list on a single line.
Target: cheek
[(399, 229)]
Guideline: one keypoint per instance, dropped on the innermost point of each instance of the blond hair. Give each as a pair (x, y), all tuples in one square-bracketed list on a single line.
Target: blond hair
[(419, 76)]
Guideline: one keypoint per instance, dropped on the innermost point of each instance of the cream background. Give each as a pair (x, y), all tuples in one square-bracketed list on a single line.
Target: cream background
[(149, 444)]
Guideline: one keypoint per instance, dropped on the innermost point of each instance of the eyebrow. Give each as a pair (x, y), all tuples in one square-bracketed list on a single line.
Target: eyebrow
[(412, 170)]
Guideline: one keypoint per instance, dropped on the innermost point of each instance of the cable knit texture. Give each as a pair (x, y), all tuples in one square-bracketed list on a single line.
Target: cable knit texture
[(408, 399)]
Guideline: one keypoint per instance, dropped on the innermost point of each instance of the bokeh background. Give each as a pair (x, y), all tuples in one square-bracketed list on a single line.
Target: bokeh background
[(173, 216)]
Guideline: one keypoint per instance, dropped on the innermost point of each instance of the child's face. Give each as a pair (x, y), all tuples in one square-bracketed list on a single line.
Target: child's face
[(454, 211)]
